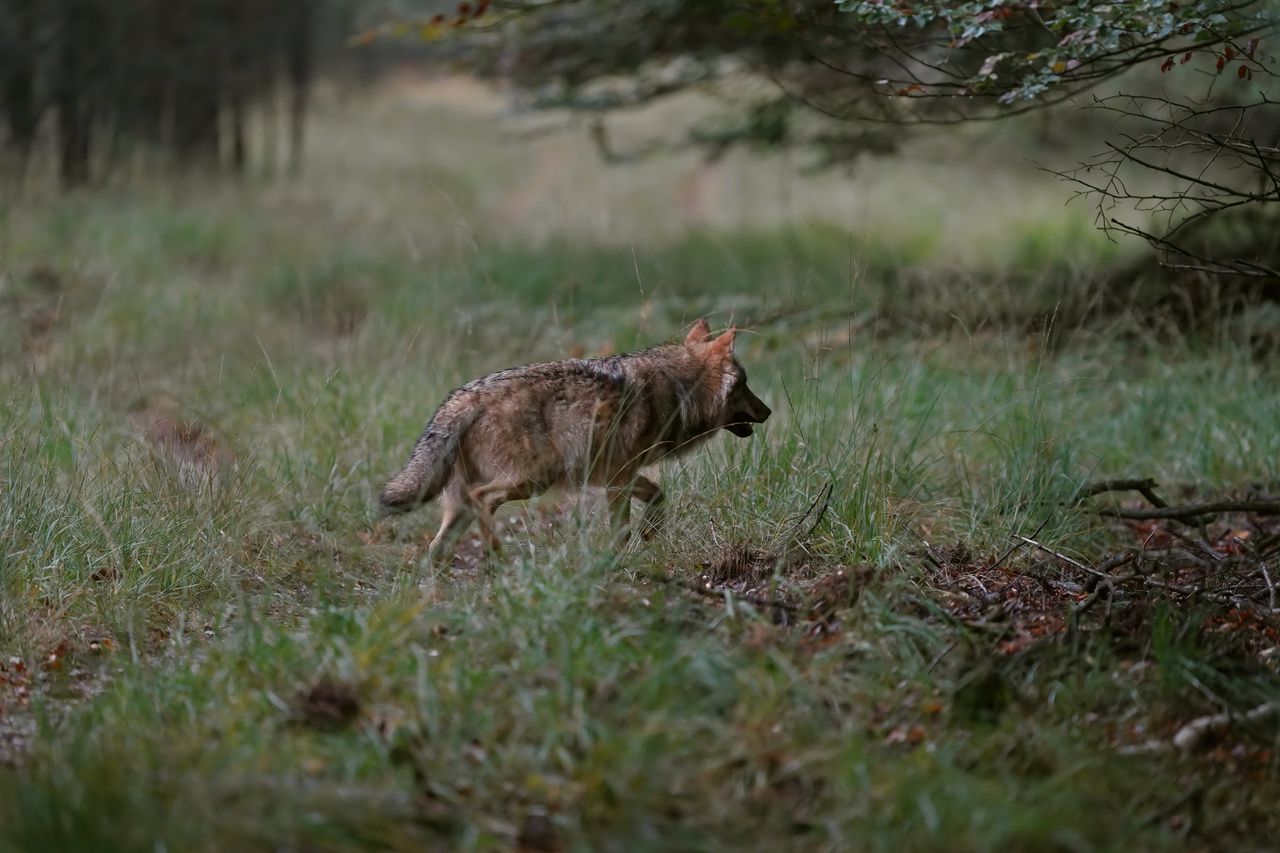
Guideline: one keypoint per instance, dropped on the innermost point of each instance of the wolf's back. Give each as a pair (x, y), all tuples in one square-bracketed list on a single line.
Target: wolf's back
[(433, 457)]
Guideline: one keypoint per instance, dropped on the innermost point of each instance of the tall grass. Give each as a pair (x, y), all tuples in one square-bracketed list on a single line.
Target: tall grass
[(563, 691)]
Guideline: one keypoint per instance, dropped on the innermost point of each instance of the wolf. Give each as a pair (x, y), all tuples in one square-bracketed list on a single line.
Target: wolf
[(514, 434)]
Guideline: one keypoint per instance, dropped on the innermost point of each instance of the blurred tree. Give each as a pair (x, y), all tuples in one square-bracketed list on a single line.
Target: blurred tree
[(18, 76), (93, 79), (599, 56), (300, 71), (76, 84), (867, 67), (1194, 167)]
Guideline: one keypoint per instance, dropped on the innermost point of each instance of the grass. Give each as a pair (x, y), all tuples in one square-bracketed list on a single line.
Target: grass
[(200, 653)]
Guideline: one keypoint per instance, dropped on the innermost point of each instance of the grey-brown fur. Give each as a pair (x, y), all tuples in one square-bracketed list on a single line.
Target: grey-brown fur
[(518, 432)]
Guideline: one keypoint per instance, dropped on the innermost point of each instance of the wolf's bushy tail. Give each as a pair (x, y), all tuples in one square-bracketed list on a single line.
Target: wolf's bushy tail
[(432, 459)]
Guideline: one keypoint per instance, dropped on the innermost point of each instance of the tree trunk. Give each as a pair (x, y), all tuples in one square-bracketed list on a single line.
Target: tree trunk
[(240, 60), (18, 90), (301, 58), (195, 124), (73, 97)]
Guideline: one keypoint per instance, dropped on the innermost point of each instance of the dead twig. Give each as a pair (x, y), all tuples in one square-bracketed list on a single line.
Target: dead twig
[(1271, 588), (1018, 545), (1197, 550), (1194, 733), (825, 498), (1063, 557), (1107, 584), (1145, 487), (937, 659)]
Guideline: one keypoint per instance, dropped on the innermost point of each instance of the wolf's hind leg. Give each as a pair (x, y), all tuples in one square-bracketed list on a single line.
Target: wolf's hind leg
[(654, 506), (457, 518)]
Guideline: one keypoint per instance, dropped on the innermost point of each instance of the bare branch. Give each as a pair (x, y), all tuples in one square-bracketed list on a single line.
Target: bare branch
[(1195, 510), (1146, 487)]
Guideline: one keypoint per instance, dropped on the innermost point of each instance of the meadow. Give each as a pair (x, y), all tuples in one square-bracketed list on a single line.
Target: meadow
[(842, 640)]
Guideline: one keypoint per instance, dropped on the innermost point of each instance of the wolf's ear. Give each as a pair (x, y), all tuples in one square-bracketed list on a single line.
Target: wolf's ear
[(699, 333), (724, 343)]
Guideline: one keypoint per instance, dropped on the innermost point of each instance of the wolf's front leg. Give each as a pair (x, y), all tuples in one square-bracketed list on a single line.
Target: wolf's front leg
[(654, 506)]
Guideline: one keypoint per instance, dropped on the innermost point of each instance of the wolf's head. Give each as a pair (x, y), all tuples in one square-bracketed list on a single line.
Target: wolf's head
[(736, 406)]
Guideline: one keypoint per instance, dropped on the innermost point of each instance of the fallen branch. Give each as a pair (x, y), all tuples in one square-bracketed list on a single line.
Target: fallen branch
[(1193, 510), (1146, 487), (1159, 509), (1193, 733), (1018, 545)]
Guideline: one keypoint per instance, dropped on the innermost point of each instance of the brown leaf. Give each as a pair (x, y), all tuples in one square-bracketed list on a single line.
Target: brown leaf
[(53, 660)]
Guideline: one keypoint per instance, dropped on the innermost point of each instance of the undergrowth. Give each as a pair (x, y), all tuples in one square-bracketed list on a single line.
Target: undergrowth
[(838, 641)]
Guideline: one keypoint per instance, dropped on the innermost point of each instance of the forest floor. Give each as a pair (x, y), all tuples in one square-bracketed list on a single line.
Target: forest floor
[(905, 615)]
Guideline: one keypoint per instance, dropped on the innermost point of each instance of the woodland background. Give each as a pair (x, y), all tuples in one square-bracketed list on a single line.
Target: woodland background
[(1000, 572)]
